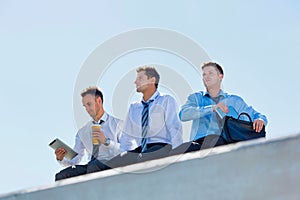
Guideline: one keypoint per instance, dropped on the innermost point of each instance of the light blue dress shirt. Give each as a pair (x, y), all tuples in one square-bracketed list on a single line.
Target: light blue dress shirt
[(164, 123), (199, 109)]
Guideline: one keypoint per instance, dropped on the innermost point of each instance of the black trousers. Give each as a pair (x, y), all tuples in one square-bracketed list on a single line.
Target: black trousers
[(201, 143), (77, 170), (154, 151)]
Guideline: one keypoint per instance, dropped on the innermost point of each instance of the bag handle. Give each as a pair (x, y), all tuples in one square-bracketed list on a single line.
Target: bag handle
[(243, 113)]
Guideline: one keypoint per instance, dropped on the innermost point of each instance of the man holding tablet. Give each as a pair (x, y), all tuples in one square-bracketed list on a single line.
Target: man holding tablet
[(105, 139)]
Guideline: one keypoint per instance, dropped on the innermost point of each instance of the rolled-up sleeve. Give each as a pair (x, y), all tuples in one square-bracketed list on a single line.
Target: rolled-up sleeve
[(191, 109)]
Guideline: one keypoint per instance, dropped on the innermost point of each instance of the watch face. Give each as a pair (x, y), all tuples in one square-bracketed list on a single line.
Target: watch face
[(107, 142)]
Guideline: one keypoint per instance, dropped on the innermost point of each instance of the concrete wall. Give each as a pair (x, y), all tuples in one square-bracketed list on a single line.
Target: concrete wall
[(260, 169)]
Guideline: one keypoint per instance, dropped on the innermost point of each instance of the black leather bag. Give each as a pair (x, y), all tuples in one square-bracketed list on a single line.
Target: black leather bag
[(235, 130)]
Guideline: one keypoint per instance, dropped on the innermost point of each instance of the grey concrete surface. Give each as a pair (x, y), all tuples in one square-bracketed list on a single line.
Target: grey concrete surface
[(258, 169)]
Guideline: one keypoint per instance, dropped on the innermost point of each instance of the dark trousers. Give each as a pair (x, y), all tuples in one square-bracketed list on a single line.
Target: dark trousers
[(77, 170), (199, 144), (154, 151)]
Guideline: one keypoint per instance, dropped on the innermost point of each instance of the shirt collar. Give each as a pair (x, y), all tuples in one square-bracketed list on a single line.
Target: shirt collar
[(221, 93), (103, 118), (153, 97)]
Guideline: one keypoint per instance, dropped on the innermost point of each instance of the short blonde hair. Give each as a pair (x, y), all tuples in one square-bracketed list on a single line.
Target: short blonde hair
[(93, 90), (150, 72)]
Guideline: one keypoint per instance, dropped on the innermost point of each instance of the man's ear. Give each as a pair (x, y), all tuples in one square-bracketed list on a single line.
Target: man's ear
[(152, 80), (221, 77), (98, 100)]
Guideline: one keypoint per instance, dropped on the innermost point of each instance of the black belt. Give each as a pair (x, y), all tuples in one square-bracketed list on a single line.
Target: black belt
[(156, 143)]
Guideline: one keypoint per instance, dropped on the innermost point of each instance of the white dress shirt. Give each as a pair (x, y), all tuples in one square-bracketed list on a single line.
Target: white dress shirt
[(164, 123), (83, 142)]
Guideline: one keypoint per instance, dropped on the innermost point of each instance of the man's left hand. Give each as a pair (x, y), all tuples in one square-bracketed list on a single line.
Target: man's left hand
[(258, 125)]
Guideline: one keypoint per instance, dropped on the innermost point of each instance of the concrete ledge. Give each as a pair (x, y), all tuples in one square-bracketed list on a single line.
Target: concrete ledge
[(258, 169)]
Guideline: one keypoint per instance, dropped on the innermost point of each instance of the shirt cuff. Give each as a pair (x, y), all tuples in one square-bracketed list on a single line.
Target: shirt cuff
[(207, 109)]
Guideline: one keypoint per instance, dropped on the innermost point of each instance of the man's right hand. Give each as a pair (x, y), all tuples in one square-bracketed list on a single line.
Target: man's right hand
[(222, 106), (60, 153)]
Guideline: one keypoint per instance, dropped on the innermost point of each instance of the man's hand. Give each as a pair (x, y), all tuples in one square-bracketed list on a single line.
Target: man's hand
[(222, 106), (99, 135), (258, 125), (60, 153)]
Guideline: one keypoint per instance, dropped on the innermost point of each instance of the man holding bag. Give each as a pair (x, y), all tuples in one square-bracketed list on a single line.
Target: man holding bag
[(202, 107)]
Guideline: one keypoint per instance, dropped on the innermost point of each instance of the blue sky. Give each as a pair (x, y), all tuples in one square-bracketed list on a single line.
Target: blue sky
[(43, 46)]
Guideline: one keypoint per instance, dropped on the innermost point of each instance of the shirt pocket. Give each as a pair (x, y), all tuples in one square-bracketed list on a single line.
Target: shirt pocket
[(157, 123)]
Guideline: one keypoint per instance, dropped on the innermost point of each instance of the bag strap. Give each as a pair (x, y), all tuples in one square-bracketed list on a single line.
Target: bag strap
[(243, 113)]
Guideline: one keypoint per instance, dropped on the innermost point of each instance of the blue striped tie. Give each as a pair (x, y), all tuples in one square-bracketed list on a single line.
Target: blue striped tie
[(145, 115)]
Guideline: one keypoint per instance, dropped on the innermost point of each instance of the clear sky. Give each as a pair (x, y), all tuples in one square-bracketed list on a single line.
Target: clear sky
[(44, 44)]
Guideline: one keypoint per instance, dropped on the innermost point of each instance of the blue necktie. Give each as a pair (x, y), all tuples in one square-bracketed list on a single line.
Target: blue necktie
[(96, 146), (145, 116)]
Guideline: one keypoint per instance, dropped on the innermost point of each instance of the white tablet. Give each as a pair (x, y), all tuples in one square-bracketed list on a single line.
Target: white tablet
[(57, 143)]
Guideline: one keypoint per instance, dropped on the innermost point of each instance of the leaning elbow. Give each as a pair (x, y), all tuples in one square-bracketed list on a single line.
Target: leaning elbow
[(182, 117)]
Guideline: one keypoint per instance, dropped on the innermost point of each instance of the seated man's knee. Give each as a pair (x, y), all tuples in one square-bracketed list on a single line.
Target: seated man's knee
[(60, 176), (95, 166), (71, 172)]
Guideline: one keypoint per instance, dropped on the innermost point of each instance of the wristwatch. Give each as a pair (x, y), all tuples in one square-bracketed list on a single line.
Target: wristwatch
[(107, 142)]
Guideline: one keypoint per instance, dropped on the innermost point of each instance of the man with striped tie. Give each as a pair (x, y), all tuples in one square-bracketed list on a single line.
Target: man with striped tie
[(152, 127)]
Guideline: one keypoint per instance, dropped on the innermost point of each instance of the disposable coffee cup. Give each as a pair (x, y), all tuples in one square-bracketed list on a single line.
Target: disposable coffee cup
[(95, 127)]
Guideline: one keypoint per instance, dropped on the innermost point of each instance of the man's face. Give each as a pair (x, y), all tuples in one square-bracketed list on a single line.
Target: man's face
[(211, 76), (92, 104), (142, 82)]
